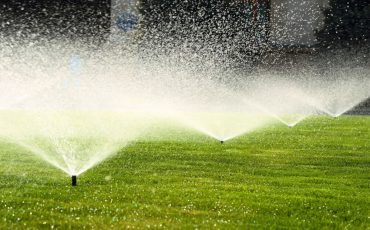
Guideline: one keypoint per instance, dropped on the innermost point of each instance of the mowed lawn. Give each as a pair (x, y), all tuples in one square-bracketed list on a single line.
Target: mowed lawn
[(313, 176)]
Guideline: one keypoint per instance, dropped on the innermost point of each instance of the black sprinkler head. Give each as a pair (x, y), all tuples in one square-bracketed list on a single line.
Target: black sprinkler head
[(74, 180), (221, 142)]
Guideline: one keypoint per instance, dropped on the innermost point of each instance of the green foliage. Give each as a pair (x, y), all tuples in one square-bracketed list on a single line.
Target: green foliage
[(314, 176), (347, 23)]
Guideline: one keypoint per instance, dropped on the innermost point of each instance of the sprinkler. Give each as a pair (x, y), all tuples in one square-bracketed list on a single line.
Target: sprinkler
[(74, 180), (221, 142)]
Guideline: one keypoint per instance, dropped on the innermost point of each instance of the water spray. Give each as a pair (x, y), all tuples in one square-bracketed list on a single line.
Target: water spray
[(74, 180)]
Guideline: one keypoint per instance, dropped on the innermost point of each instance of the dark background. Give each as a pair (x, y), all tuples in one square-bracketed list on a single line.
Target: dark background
[(347, 22), (69, 19)]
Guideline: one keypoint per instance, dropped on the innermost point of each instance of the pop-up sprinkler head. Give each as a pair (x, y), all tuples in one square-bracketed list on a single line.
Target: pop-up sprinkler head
[(74, 180), (221, 142)]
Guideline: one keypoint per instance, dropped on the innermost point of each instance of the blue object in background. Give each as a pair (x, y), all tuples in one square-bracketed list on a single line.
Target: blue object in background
[(127, 22), (75, 65)]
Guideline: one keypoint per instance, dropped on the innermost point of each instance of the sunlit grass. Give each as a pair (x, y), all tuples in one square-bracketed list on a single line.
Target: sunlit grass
[(315, 175)]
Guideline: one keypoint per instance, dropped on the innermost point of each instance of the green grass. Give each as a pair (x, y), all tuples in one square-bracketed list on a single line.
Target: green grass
[(314, 176)]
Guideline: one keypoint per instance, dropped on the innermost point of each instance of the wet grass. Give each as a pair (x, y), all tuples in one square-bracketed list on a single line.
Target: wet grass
[(314, 176)]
